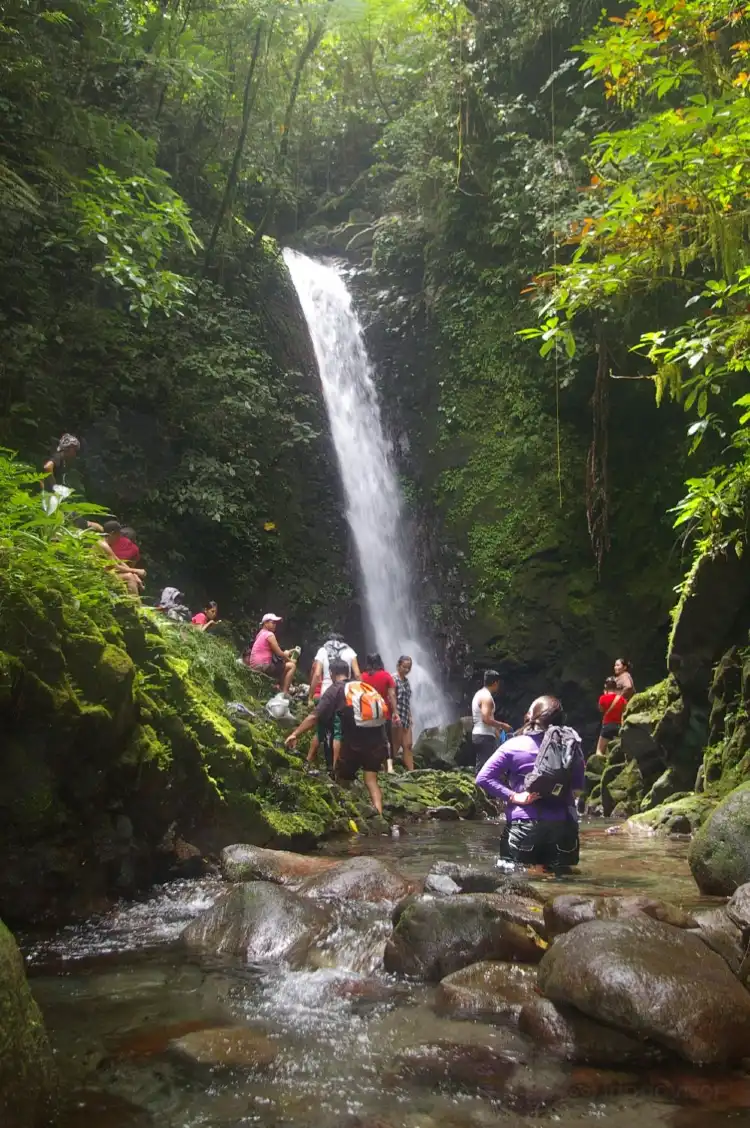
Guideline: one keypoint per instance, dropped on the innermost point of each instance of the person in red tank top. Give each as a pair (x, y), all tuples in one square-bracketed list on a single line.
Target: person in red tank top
[(376, 675), (611, 706)]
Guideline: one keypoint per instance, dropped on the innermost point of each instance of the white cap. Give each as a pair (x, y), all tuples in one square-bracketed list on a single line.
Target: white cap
[(269, 615)]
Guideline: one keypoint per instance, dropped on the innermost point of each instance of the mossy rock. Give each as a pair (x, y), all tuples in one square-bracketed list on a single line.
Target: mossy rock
[(621, 787), (719, 854), (27, 1076), (680, 814)]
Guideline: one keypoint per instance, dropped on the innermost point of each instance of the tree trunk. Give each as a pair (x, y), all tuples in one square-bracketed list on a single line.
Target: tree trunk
[(248, 101)]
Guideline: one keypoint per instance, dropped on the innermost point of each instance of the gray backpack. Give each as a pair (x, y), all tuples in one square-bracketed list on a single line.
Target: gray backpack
[(556, 760)]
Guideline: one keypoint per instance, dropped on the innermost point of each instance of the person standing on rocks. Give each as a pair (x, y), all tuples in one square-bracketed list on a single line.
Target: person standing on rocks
[(54, 486), (402, 737), (486, 730), (376, 675), (328, 733), (361, 747), (542, 830), (625, 689)]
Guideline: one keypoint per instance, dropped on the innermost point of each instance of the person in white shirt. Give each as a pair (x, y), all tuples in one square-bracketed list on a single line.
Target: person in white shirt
[(320, 681), (485, 730)]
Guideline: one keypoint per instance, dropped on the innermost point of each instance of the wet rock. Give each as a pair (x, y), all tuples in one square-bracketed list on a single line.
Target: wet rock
[(492, 1072), (571, 909), (484, 879), (440, 885), (722, 934), (254, 863), (154, 1040), (488, 987), (719, 854), (445, 748), (27, 1076), (738, 907), (258, 921), (572, 1036), (225, 1047), (358, 879), (653, 981), (443, 814), (431, 939)]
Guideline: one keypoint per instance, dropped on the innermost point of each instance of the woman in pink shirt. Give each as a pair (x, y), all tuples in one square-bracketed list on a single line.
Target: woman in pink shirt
[(266, 656), (208, 617)]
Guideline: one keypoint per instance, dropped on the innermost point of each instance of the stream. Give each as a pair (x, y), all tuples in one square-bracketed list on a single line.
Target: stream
[(115, 990)]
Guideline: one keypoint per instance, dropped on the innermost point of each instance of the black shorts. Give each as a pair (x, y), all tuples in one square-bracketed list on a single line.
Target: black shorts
[(609, 732), (484, 746), (366, 759), (543, 842)]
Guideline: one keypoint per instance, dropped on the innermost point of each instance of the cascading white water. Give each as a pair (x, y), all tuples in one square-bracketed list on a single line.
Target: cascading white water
[(373, 498)]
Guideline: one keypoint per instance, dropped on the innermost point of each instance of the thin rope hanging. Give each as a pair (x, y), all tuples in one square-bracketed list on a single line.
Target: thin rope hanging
[(554, 255)]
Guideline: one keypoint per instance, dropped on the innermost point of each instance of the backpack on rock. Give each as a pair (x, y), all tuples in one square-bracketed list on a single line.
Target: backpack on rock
[(556, 759)]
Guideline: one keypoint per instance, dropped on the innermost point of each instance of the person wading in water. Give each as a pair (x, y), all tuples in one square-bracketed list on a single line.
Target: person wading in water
[(543, 829), (486, 730)]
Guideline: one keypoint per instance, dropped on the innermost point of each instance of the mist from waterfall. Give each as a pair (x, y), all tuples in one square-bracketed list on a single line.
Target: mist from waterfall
[(373, 497)]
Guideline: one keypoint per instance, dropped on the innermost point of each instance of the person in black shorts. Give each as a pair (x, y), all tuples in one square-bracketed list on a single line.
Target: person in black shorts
[(362, 749)]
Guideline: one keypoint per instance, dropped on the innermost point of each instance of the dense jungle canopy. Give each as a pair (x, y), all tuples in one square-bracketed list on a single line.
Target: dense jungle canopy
[(496, 171)]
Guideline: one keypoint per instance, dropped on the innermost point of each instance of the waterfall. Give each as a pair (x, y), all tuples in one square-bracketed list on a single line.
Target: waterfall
[(373, 498)]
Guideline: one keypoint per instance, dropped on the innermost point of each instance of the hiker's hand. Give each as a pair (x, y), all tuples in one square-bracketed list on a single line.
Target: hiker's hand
[(506, 727), (291, 740), (396, 720), (287, 653), (523, 798)]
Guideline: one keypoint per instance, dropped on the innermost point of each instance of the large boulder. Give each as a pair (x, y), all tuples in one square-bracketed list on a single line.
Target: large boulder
[(258, 921), (654, 982), (571, 909), (719, 853), (488, 987), (254, 863), (722, 934), (566, 1033), (27, 1077), (433, 938), (358, 879), (471, 878), (445, 748)]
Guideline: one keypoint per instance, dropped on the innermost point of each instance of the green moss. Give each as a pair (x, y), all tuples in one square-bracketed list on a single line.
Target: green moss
[(27, 1076), (621, 787), (680, 814)]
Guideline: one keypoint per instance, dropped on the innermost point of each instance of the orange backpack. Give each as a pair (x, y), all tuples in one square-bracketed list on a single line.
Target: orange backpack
[(368, 706)]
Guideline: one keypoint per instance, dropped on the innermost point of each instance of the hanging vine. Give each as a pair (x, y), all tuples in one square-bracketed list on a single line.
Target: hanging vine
[(597, 473)]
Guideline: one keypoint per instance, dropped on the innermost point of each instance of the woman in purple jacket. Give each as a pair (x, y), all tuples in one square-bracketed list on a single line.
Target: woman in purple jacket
[(541, 831)]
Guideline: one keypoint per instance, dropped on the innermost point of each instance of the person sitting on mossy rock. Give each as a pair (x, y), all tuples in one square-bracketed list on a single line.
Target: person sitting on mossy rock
[(208, 617), (267, 657), (131, 576)]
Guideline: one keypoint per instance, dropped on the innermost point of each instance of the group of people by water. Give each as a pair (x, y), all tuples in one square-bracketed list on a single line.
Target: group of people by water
[(362, 718), (537, 773)]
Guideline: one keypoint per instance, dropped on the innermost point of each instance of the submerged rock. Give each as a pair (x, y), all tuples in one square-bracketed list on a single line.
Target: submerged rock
[(719, 854), (254, 863), (431, 939), (496, 1073), (568, 1034), (358, 879), (258, 921), (225, 1047), (571, 909), (27, 1076), (489, 987), (483, 879), (653, 981)]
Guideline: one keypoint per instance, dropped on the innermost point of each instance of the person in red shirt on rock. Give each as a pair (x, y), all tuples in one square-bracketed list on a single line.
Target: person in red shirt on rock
[(376, 675), (208, 617), (123, 547), (611, 706)]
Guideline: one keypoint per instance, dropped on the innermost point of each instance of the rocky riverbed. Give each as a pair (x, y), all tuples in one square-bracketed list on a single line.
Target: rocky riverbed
[(405, 981)]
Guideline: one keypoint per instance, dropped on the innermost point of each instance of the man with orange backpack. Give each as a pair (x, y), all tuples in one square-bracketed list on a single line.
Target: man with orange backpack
[(362, 712)]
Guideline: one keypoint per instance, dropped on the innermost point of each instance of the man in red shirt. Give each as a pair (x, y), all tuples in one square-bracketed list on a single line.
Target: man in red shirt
[(376, 675), (123, 547)]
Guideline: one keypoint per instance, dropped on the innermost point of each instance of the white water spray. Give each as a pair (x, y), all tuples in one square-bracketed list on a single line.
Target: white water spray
[(373, 499)]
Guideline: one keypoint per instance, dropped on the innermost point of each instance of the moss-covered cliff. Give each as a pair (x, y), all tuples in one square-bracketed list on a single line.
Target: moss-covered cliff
[(685, 742)]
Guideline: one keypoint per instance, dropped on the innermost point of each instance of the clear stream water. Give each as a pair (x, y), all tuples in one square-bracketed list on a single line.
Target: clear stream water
[(365, 458), (116, 988)]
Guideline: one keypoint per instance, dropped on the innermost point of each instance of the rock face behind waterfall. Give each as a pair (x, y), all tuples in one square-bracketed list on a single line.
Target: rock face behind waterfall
[(654, 982), (259, 922), (26, 1070)]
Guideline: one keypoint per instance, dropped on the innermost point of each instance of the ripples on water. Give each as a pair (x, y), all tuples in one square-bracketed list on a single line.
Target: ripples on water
[(122, 986)]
